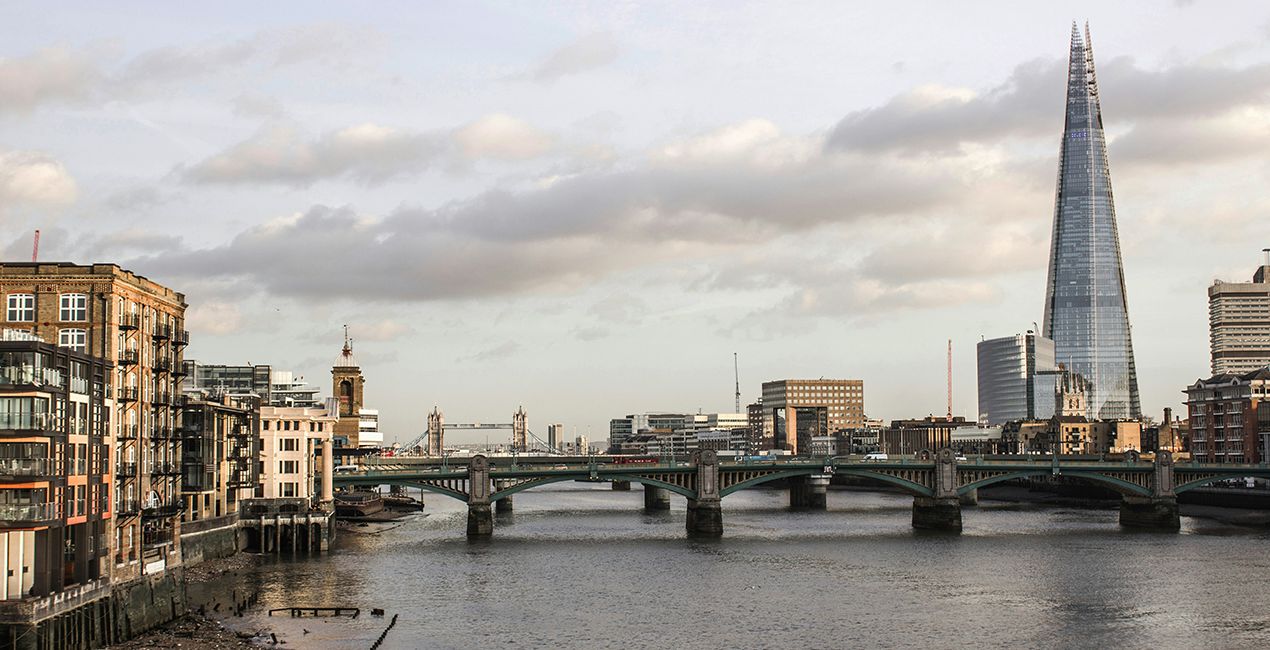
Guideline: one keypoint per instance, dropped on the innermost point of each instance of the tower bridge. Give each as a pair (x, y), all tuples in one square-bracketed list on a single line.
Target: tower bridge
[(433, 439), (938, 482)]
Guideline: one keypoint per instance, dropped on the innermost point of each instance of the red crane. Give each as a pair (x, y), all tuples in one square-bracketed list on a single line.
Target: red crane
[(35, 247)]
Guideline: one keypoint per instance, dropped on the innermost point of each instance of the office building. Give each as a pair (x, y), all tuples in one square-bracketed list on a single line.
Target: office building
[(801, 409), (273, 387), (1007, 369), (1239, 324), (912, 436), (555, 434), (138, 326), (220, 449), (1086, 311), (368, 433), (55, 458), (1229, 419), (296, 452)]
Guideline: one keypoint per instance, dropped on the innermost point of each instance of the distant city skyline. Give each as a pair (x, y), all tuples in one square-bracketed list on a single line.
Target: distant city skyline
[(586, 210)]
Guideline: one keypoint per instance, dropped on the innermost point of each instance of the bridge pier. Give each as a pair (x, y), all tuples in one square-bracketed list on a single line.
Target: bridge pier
[(656, 498), (504, 504), (621, 486), (705, 513), (480, 518), (810, 492), (1149, 512), (937, 513)]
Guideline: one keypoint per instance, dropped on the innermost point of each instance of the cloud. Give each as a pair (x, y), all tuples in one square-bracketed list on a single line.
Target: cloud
[(73, 76), (47, 75), (1029, 104), (32, 177), (1157, 143), (136, 199), (368, 153), (503, 137), (213, 317), (381, 331), (501, 351), (587, 53)]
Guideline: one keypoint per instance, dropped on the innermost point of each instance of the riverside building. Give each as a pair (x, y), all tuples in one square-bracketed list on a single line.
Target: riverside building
[(137, 326), (1239, 324), (800, 409), (55, 480), (1229, 419), (1007, 371), (1086, 311)]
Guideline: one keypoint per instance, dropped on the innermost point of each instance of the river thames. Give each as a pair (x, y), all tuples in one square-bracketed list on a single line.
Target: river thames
[(578, 565)]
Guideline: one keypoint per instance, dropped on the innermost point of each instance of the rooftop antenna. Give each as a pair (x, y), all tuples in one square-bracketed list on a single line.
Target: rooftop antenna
[(950, 380), (35, 247), (737, 374), (1264, 250)]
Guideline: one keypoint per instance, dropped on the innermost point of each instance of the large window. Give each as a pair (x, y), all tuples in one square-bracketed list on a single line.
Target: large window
[(74, 307), (75, 339), (21, 308)]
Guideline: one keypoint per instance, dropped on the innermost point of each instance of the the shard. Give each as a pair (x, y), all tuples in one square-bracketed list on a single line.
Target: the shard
[(1086, 312)]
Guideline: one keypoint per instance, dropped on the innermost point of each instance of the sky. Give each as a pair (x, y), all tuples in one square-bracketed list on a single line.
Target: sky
[(585, 209)]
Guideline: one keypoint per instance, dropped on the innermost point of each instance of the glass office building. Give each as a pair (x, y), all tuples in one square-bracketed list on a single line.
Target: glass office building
[(1008, 369), (1086, 312)]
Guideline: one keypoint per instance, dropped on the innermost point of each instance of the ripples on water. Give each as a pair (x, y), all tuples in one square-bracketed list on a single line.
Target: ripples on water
[(582, 566)]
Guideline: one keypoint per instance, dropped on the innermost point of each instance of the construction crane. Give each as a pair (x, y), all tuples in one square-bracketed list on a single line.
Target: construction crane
[(950, 380), (736, 372), (35, 247)]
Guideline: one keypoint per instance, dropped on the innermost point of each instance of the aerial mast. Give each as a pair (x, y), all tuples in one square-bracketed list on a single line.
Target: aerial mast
[(737, 374), (950, 380)]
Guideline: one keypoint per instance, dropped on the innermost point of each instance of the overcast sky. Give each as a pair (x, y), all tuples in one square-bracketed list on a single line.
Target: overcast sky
[(585, 209)]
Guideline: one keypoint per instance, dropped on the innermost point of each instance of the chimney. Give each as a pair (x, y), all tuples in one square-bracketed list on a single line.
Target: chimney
[(1168, 416)]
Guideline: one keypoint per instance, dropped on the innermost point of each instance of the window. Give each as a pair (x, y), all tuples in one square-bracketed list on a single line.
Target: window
[(74, 307), (75, 339), (21, 307), (290, 444)]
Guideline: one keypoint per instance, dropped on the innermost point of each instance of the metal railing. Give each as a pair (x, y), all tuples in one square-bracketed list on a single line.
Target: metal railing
[(129, 431), (29, 512), (126, 394), (30, 376), (27, 421), (14, 467), (161, 331), (127, 507), (180, 337), (125, 471), (129, 358), (161, 363), (129, 321)]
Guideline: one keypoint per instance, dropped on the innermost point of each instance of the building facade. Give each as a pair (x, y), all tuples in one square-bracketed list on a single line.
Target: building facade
[(800, 409), (1086, 310), (220, 446), (138, 326), (55, 472), (1229, 422), (296, 453), (1239, 324), (1007, 372), (911, 436)]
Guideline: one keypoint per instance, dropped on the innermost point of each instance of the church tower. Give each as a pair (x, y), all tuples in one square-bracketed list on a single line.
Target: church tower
[(346, 386)]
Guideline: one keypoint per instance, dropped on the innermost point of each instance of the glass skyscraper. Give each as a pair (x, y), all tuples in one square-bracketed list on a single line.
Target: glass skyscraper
[(1086, 313)]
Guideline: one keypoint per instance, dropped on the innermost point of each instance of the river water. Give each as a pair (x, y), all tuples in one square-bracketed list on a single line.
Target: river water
[(578, 565)]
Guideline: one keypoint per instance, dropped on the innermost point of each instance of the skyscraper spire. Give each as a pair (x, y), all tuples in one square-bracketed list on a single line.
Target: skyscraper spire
[(1086, 311)]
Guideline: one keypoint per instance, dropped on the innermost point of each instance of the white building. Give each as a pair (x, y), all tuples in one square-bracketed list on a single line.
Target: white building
[(291, 438), (368, 433)]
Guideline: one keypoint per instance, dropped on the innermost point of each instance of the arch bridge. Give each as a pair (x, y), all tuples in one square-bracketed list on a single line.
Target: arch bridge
[(939, 482)]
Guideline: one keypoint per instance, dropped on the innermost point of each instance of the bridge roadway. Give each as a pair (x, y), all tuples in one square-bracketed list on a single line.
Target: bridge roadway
[(939, 482)]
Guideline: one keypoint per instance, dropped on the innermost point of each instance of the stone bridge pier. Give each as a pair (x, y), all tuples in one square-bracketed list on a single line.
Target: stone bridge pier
[(504, 504), (621, 486), (941, 511), (810, 492), (656, 498), (705, 513), (1159, 510), (480, 518)]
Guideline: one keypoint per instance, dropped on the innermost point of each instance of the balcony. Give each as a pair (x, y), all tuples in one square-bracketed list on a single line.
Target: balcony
[(162, 434), (29, 376), (180, 337), (165, 469), (126, 394), (30, 513), (161, 364), (28, 422), (152, 537), (239, 431), (125, 471), (162, 511), (160, 399), (130, 321), (128, 432), (22, 468), (129, 358), (161, 332), (128, 508)]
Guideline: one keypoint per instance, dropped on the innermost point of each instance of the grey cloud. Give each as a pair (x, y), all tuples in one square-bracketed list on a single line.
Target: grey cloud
[(1029, 103), (495, 353), (281, 154), (587, 53), (136, 198), (1175, 143), (48, 75)]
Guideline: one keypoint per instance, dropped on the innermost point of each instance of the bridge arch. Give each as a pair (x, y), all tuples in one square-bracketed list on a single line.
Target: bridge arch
[(1118, 485), (1260, 472), (633, 478), (904, 484)]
